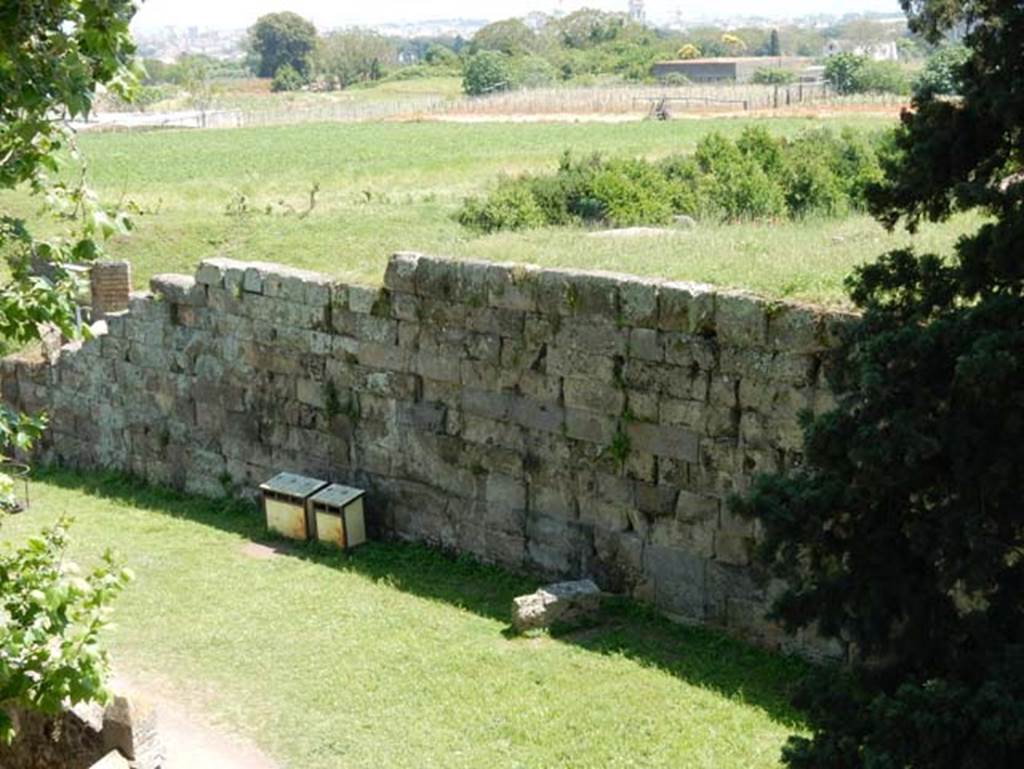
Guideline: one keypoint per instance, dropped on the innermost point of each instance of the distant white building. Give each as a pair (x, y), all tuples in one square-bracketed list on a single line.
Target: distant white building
[(883, 51), (637, 12)]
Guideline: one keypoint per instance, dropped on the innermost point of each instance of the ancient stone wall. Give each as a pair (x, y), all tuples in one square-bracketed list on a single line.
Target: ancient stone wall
[(577, 424)]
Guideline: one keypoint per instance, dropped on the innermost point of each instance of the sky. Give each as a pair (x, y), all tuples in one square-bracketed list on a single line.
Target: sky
[(333, 13)]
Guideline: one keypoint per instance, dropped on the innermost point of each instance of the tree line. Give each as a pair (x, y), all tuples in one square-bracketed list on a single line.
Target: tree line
[(585, 47)]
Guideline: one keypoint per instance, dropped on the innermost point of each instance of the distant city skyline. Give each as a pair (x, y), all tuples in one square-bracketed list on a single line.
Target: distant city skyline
[(329, 13)]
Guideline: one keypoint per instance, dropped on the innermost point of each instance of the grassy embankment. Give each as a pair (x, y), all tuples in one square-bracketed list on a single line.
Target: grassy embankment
[(394, 186)]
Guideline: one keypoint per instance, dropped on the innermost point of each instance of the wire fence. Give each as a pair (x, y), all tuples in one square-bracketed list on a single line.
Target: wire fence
[(651, 100), (643, 99)]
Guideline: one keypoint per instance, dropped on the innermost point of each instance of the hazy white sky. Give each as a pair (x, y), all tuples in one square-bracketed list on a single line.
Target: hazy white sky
[(327, 13)]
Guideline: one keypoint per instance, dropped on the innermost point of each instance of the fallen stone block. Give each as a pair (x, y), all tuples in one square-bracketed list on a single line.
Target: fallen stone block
[(113, 760), (561, 602)]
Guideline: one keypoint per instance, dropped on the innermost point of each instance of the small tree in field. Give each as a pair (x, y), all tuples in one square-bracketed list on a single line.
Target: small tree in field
[(902, 533), (487, 72), (277, 39)]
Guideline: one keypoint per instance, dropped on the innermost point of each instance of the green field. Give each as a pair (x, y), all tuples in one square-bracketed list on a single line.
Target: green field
[(394, 186), (254, 95), (397, 657)]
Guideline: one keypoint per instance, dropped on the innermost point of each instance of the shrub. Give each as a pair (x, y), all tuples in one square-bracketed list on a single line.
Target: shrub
[(739, 188), (772, 76), (942, 73), (510, 207), (882, 77), (8, 500), (630, 192), (850, 73), (857, 165), (532, 72), (438, 55), (487, 72), (52, 621), (842, 71), (758, 144), (756, 177), (286, 78)]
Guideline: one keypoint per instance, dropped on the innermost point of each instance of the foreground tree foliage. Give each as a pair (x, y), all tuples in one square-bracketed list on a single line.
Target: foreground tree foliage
[(903, 532), (54, 54), (51, 621)]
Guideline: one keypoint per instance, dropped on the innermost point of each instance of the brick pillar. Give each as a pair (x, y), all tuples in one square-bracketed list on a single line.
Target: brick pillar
[(111, 286)]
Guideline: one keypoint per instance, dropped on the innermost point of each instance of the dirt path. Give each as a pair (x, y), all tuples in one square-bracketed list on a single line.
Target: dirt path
[(189, 742)]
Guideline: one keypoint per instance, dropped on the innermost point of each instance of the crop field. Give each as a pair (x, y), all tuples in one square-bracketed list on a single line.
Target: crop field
[(385, 187)]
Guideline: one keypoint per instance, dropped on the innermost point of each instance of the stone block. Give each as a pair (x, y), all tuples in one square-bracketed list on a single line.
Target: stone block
[(426, 417), (556, 295), (741, 319), (590, 427), (400, 274), (538, 415), (642, 406), (618, 561), (494, 320), (595, 294), (796, 329), (565, 361), (511, 286), (679, 579), (372, 329), (130, 727), (437, 278), (638, 302), (177, 289), (656, 500), (113, 760), (504, 492), (692, 507), (361, 299), (593, 395), (664, 441), (686, 307), (646, 344), (484, 403), (211, 271), (560, 602), (595, 336)]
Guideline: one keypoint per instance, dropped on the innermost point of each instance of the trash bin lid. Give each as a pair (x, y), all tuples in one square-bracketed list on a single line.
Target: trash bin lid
[(337, 495), (292, 485)]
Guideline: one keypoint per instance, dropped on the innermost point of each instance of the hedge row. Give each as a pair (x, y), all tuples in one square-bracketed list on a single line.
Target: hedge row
[(756, 177)]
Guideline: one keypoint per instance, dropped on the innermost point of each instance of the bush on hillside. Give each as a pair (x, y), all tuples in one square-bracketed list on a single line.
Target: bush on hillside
[(287, 78), (943, 73), (486, 72), (851, 73), (510, 207), (757, 177)]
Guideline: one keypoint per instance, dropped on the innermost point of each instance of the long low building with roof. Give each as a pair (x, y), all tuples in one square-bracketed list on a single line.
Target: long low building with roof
[(728, 69)]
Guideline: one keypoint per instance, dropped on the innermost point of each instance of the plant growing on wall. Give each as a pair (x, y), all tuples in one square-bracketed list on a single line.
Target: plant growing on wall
[(902, 532)]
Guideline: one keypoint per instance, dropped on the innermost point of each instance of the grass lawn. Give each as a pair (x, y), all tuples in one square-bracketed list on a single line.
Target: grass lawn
[(397, 657), (386, 187)]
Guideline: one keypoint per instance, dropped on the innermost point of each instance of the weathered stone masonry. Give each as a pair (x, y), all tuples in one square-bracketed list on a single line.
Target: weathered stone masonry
[(579, 424)]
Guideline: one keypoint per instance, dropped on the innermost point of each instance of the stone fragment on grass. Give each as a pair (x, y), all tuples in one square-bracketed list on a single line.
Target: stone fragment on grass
[(113, 760), (560, 602)]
